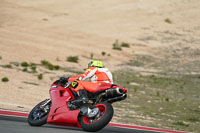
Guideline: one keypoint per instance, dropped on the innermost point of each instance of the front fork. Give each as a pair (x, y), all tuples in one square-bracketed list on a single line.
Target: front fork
[(44, 107)]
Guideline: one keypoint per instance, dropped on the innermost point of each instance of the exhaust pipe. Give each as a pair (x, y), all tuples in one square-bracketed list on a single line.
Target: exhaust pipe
[(112, 95), (115, 99), (113, 92)]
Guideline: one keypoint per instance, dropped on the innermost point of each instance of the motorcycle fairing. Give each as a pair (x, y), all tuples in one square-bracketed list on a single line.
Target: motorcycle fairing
[(60, 113)]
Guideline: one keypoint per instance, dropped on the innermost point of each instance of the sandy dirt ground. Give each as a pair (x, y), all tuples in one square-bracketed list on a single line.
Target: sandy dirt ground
[(55, 29)]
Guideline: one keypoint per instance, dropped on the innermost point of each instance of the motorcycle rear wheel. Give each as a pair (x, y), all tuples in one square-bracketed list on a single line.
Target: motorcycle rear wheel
[(37, 117), (106, 114)]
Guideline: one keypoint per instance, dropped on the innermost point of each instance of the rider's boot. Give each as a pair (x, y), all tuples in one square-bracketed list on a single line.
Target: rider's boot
[(89, 110)]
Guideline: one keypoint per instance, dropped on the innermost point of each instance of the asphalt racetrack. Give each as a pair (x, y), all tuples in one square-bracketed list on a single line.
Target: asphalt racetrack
[(11, 124), (16, 122)]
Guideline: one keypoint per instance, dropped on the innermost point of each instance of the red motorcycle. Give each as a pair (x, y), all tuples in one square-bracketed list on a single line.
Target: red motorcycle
[(60, 109)]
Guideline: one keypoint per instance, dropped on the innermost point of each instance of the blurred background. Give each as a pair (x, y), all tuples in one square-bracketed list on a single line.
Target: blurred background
[(152, 48)]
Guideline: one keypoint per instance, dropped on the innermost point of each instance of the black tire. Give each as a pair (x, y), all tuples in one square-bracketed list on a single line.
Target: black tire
[(101, 122), (37, 122)]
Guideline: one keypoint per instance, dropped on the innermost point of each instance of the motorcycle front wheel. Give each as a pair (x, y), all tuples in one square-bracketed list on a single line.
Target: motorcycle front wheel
[(39, 114), (104, 117)]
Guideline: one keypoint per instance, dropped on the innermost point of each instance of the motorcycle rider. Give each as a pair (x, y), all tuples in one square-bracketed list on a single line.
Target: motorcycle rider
[(96, 74)]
